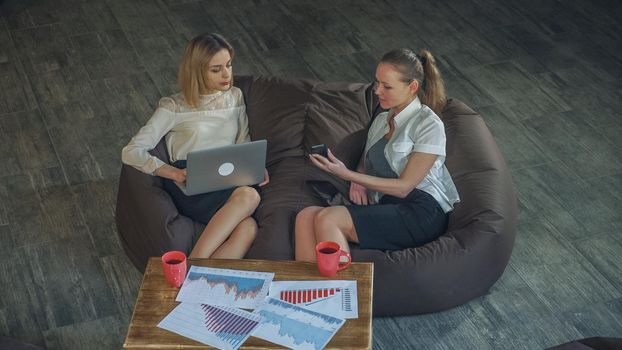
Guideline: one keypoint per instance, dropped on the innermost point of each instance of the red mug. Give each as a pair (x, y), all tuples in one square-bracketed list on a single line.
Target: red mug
[(328, 256), (174, 267)]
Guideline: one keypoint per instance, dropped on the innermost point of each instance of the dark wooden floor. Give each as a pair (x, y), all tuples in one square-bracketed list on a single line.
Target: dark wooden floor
[(78, 78)]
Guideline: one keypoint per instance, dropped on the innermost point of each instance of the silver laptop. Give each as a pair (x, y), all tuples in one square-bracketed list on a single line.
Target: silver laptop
[(225, 167)]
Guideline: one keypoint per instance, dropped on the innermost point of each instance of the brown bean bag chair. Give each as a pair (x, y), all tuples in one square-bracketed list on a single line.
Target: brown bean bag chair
[(464, 262), (293, 115)]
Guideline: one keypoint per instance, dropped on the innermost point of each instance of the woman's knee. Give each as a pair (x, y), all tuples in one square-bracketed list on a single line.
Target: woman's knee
[(246, 230), (307, 214), (326, 217), (246, 195), (332, 218)]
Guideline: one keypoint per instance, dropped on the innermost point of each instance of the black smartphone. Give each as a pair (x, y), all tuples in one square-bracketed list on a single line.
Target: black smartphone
[(320, 149)]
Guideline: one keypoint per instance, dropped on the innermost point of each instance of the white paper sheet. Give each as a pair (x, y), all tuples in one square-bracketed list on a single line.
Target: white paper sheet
[(224, 287), (221, 327), (335, 298), (294, 327)]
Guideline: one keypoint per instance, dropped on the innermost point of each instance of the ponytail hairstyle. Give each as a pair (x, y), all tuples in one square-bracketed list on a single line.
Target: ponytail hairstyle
[(422, 68), (192, 76)]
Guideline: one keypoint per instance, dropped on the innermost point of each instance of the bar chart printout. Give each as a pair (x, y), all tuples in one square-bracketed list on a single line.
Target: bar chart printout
[(225, 287), (220, 327), (337, 298), (295, 327)]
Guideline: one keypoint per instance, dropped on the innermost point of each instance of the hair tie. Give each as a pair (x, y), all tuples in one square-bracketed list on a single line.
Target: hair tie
[(421, 59)]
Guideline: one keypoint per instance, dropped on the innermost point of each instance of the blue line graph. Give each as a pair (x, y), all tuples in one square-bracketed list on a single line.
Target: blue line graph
[(328, 319), (225, 287), (299, 331), (241, 286), (295, 327)]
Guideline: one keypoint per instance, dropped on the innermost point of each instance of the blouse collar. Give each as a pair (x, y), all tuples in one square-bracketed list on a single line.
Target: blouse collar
[(412, 108)]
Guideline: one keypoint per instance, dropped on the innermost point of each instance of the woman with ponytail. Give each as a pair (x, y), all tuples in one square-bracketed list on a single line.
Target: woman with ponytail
[(401, 189), (208, 112)]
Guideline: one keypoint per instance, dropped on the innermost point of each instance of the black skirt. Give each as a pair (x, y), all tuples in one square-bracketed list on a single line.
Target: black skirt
[(199, 207), (399, 223)]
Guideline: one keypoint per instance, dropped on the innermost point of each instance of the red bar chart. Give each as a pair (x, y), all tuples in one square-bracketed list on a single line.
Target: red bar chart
[(335, 298), (309, 295)]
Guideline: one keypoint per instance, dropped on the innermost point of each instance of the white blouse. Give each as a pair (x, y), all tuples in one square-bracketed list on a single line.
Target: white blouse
[(219, 120), (417, 129)]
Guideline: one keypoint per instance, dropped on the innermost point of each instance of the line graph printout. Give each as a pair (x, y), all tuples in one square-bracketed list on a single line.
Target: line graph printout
[(335, 298), (224, 287), (220, 327), (295, 327)]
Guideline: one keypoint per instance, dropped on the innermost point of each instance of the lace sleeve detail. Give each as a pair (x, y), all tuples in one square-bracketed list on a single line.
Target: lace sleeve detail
[(237, 97), (167, 103)]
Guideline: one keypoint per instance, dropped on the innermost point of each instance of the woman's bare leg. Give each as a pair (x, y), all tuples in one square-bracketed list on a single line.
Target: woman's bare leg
[(239, 241), (240, 206), (305, 233), (335, 224)]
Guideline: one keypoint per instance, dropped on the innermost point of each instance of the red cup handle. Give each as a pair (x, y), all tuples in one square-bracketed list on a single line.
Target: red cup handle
[(344, 265)]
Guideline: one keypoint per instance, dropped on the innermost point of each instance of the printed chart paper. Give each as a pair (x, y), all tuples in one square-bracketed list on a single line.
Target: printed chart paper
[(294, 327), (224, 287), (221, 327), (335, 298)]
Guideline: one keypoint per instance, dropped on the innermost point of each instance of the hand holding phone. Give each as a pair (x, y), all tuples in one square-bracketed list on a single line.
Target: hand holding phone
[(331, 165), (320, 149)]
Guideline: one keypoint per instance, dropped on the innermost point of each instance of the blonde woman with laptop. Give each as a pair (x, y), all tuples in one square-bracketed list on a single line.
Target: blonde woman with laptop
[(208, 112)]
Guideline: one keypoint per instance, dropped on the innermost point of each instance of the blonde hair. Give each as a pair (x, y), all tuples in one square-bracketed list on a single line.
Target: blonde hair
[(192, 77), (422, 68)]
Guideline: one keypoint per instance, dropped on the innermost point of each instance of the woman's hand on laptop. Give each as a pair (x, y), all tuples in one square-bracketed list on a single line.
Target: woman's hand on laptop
[(181, 176), (266, 178), (172, 173)]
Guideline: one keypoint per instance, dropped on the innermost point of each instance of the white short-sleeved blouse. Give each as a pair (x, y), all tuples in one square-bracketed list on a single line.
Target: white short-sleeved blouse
[(417, 129)]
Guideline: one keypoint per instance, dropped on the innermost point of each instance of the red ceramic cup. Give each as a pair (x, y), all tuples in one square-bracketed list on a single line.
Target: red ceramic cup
[(174, 267), (328, 256)]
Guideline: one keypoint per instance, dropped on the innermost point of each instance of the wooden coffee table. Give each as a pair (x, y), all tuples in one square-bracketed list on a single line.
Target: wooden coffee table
[(156, 299)]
